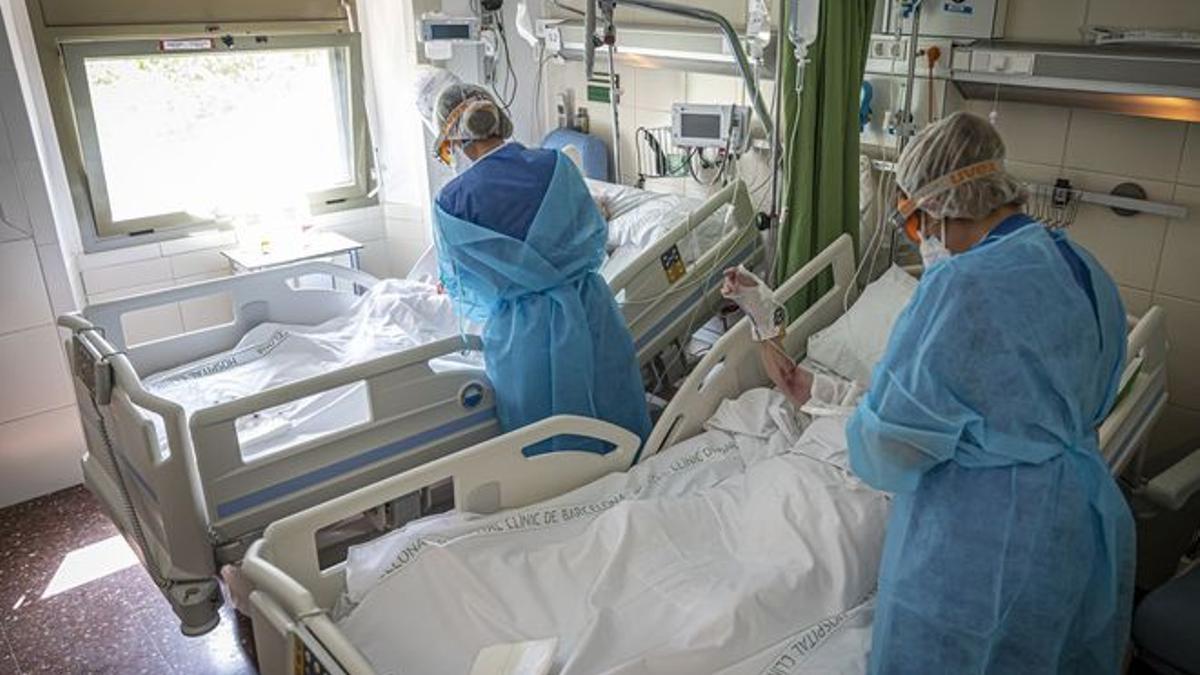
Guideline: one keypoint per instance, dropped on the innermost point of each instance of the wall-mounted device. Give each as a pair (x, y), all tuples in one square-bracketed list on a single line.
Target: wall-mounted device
[(696, 125), (944, 18), (439, 34)]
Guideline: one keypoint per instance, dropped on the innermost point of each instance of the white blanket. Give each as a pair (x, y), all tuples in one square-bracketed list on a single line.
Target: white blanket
[(392, 316), (747, 549), (638, 218)]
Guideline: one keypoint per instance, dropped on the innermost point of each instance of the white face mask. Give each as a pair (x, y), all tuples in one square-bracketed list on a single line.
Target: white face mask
[(459, 161), (933, 249)]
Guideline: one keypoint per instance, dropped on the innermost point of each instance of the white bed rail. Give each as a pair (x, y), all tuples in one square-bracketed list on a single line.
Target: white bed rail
[(267, 295), (1123, 434), (488, 477), (732, 365), (187, 501), (659, 309)]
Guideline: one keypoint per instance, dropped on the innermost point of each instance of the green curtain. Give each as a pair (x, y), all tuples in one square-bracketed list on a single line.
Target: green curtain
[(820, 125)]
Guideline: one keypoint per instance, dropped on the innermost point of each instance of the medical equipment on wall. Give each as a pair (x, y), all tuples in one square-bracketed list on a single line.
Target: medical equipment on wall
[(1105, 35), (1057, 205), (700, 125), (600, 31), (658, 156), (440, 33), (966, 19)]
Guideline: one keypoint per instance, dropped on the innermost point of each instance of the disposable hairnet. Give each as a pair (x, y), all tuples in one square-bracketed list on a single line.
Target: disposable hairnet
[(958, 141), (467, 112), (428, 84)]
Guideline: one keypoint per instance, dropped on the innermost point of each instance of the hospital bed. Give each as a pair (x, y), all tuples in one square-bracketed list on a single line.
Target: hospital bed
[(296, 596), (191, 488)]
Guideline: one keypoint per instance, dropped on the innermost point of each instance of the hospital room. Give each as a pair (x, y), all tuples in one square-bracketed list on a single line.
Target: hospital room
[(599, 337)]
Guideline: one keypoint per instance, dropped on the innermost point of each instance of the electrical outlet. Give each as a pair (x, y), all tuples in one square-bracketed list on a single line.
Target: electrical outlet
[(889, 48)]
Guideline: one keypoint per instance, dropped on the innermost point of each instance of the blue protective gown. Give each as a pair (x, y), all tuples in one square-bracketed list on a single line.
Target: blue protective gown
[(554, 340), (1009, 547)]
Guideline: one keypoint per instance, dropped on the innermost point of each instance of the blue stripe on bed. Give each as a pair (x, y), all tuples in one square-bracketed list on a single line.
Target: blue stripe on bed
[(325, 473)]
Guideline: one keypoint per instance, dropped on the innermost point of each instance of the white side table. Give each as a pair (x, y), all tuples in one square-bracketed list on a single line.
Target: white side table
[(311, 246)]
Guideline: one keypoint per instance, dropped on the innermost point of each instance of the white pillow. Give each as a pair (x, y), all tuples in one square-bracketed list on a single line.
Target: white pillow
[(856, 341)]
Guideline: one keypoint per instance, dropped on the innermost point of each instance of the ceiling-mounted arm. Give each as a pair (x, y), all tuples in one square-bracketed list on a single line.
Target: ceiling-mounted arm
[(735, 44)]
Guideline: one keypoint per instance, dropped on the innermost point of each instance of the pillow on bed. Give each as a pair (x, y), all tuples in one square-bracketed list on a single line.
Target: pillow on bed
[(855, 342)]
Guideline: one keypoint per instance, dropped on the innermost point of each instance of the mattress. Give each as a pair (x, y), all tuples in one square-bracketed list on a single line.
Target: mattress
[(394, 315), (749, 549)]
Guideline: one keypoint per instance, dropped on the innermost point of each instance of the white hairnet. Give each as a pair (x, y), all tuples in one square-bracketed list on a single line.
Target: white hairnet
[(468, 112), (958, 141)]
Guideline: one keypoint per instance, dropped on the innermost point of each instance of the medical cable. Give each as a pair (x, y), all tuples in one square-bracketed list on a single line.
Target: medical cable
[(727, 248), (505, 95), (773, 268), (135, 522), (538, 112)]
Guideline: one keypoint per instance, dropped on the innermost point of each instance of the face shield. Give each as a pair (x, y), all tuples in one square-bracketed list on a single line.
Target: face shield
[(427, 88), (467, 114)]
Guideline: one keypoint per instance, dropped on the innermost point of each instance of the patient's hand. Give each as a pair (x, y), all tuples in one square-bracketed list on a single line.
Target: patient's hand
[(602, 206), (794, 380)]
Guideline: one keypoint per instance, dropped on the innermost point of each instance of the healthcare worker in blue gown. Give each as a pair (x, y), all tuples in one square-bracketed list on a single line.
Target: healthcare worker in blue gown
[(1009, 547), (519, 243)]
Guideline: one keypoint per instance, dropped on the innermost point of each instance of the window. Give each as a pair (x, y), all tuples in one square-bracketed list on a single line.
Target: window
[(181, 132)]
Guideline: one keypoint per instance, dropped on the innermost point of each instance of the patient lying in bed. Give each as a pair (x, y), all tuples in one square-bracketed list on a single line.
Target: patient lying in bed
[(746, 547)]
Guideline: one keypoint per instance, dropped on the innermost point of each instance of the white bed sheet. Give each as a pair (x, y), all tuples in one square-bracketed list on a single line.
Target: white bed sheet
[(748, 549), (637, 218), (392, 316)]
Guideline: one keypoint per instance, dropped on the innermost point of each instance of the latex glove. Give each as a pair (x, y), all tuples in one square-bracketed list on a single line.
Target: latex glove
[(767, 316)]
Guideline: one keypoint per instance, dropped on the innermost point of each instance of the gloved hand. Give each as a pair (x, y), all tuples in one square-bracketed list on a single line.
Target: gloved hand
[(767, 316)]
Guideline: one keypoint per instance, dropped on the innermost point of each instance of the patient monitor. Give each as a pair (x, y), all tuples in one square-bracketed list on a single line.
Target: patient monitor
[(439, 34), (696, 125)]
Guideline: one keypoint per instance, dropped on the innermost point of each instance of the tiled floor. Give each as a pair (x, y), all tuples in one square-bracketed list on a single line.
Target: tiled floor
[(118, 623)]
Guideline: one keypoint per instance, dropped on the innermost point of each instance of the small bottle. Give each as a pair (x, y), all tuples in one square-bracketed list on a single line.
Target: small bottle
[(582, 123)]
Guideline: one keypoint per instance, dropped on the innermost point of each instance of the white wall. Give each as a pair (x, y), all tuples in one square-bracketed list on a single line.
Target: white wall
[(40, 438)]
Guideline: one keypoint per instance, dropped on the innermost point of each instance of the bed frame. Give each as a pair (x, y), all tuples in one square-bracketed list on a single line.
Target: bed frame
[(293, 595), (195, 505)]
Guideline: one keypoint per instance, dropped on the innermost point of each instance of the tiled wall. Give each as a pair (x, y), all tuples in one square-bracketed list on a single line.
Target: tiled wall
[(40, 440), (1154, 259)]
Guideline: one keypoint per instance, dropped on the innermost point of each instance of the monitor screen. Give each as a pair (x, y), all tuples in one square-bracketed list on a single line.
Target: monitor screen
[(692, 125), (449, 31)]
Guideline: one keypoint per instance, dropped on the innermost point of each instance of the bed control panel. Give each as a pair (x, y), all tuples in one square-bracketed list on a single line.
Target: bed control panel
[(309, 658), (472, 394), (672, 263)]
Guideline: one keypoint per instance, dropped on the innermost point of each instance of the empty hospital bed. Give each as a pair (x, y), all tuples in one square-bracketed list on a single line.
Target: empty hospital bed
[(192, 482), (303, 610)]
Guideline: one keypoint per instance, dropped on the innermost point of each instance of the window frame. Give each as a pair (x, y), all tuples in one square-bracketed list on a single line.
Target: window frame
[(92, 195)]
